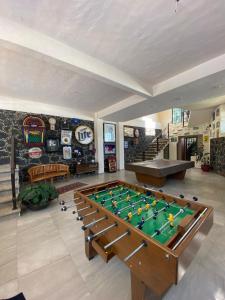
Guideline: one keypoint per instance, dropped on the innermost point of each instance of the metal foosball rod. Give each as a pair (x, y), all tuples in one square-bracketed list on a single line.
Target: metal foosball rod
[(110, 199), (189, 229), (90, 237), (64, 208), (158, 231), (117, 239), (89, 225), (106, 190), (143, 244), (81, 209), (80, 218), (122, 200), (155, 214)]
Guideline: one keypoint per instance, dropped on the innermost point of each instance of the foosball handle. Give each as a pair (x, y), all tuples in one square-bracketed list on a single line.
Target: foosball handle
[(161, 191), (195, 198), (181, 196), (64, 208), (62, 202)]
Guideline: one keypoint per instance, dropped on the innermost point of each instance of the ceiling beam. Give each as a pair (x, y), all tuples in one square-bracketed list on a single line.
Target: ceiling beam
[(37, 43)]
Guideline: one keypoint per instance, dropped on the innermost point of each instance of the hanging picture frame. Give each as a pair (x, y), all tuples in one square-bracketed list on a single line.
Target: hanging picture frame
[(67, 152), (109, 133), (66, 137), (128, 131)]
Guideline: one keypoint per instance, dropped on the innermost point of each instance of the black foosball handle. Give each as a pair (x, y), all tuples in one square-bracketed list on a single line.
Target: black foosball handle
[(181, 196), (195, 198)]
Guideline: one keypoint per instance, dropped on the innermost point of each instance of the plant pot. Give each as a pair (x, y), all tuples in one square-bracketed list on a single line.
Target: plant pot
[(35, 207), (205, 168)]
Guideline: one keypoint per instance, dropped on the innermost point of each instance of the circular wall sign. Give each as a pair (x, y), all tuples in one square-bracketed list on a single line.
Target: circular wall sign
[(84, 134), (35, 152)]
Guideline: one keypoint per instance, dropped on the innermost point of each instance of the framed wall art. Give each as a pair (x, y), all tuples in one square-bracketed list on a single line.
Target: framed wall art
[(109, 133)]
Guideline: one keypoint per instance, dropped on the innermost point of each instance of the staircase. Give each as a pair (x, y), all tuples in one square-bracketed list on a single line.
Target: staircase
[(6, 204), (153, 150)]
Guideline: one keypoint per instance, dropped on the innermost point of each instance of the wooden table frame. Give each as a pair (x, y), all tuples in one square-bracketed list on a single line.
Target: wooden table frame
[(155, 268)]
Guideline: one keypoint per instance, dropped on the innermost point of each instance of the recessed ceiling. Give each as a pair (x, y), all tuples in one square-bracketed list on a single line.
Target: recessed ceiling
[(146, 39), (30, 78)]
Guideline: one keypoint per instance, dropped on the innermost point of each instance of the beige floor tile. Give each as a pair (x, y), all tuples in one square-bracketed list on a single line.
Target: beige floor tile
[(8, 272), (9, 289), (7, 255), (34, 257), (59, 279)]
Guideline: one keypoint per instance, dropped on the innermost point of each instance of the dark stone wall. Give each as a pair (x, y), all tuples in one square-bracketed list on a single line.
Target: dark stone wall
[(217, 155), (12, 121), (142, 144)]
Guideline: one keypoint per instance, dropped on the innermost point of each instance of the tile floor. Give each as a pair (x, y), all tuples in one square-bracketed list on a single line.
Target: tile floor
[(42, 253)]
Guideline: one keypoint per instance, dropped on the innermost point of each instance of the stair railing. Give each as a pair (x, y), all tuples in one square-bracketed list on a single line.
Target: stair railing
[(13, 168)]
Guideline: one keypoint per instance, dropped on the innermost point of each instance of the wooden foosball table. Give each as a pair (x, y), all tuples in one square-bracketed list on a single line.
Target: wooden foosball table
[(155, 234)]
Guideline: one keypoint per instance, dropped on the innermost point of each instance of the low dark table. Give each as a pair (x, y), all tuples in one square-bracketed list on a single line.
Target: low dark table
[(155, 172)]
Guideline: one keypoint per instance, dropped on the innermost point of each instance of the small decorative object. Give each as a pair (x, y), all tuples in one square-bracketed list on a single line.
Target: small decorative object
[(217, 112), (52, 145), (206, 138), (84, 134), (65, 124), (218, 124), (66, 137), (205, 162), (136, 133), (33, 131), (126, 144), (110, 149), (67, 152), (109, 133), (75, 121), (52, 122), (128, 131), (37, 196), (35, 152)]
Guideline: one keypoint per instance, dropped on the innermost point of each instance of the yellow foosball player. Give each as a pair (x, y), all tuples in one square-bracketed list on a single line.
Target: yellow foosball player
[(114, 204), (171, 219), (128, 198), (110, 193), (129, 215), (139, 211), (154, 203), (147, 206)]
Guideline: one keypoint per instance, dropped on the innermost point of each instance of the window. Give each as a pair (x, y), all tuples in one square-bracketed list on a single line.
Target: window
[(177, 115), (150, 131)]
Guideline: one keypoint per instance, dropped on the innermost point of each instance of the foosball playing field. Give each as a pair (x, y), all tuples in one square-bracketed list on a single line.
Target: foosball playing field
[(155, 234), (155, 217)]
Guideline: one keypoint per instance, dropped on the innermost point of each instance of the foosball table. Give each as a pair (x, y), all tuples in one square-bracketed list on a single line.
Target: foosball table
[(156, 235)]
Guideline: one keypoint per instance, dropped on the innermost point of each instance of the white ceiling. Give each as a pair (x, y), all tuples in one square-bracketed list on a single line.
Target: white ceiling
[(144, 39)]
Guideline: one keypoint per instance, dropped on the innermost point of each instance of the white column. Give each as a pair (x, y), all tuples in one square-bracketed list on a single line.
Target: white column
[(120, 146), (99, 155)]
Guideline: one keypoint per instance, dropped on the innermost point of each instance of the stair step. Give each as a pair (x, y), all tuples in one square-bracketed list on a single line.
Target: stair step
[(7, 210), (7, 168), (6, 186), (6, 198)]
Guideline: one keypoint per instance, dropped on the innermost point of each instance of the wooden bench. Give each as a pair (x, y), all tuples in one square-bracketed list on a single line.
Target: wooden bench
[(48, 171)]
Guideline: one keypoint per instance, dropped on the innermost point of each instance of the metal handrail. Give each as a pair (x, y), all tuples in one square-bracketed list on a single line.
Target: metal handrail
[(12, 169)]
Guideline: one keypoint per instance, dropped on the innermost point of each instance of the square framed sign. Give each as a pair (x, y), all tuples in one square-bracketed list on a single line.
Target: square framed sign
[(109, 133)]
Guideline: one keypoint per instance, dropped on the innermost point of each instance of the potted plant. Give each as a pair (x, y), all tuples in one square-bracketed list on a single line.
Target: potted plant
[(205, 162), (37, 196)]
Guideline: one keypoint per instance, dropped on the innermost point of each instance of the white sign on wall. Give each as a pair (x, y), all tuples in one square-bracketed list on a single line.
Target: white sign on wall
[(84, 134)]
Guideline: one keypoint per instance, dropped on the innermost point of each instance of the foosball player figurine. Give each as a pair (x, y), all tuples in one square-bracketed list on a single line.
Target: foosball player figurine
[(171, 220), (139, 211)]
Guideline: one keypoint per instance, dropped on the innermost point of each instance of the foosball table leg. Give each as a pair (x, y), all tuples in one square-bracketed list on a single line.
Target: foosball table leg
[(139, 291), (89, 250)]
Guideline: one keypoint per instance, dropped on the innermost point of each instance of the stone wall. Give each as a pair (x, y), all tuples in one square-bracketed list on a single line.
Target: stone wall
[(137, 145), (12, 121), (217, 155)]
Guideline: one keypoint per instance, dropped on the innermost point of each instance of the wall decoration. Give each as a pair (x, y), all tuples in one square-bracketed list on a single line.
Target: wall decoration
[(84, 134), (126, 144), (217, 112), (33, 131), (128, 131), (218, 124), (52, 145), (52, 122), (109, 133), (110, 149), (65, 124), (67, 152), (66, 137), (206, 138), (35, 152), (136, 133), (75, 121)]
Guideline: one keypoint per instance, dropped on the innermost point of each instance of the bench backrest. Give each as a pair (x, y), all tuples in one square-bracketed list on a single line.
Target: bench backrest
[(40, 170)]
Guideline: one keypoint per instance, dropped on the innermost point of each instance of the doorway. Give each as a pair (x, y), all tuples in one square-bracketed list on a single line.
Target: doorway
[(186, 147)]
